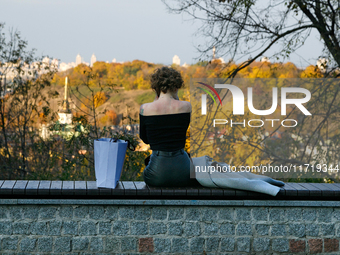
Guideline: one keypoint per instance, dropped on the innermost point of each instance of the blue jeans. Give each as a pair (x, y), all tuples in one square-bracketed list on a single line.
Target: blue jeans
[(169, 169)]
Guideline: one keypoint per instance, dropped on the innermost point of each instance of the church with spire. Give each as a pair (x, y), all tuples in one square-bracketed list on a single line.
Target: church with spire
[(64, 126), (65, 115)]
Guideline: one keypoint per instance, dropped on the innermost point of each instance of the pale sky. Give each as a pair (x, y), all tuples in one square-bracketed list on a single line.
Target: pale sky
[(125, 30)]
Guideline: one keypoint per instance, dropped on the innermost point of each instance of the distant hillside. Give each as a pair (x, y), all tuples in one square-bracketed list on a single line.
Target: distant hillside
[(125, 86), (122, 102)]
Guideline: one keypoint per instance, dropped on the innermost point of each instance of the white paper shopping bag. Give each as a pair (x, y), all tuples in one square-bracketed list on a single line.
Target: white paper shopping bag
[(109, 155)]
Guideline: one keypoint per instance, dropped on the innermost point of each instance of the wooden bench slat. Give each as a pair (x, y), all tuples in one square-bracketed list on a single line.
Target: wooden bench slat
[(155, 191), (192, 191), (139, 188), (80, 187), (119, 190), (217, 192), (301, 190), (8, 184), (204, 192), (32, 187), (325, 190), (336, 184), (55, 188), (313, 191), (92, 189), (257, 195), (229, 192), (129, 188), (241, 193), (336, 188), (19, 187), (44, 187), (252, 194), (7, 187), (67, 188), (142, 189), (333, 188), (167, 191), (105, 191), (282, 192), (289, 190), (180, 191)]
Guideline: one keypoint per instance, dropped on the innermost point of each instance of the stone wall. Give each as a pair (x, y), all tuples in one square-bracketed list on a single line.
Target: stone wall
[(174, 227)]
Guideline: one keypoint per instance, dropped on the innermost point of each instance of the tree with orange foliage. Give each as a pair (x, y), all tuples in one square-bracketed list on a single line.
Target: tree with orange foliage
[(112, 116), (99, 99)]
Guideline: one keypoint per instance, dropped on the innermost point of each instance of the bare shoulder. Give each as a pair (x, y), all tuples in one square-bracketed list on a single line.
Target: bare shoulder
[(185, 106), (144, 109)]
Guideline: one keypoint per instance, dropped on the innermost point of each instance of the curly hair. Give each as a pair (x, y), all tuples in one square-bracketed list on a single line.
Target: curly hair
[(166, 79)]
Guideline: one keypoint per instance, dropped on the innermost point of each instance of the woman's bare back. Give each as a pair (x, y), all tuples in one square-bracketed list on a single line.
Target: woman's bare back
[(165, 104)]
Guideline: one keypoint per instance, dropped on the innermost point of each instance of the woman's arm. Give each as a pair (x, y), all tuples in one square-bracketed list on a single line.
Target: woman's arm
[(142, 131), (187, 106), (141, 110)]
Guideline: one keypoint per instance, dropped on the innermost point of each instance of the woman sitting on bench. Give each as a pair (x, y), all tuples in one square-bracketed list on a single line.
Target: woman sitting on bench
[(163, 125)]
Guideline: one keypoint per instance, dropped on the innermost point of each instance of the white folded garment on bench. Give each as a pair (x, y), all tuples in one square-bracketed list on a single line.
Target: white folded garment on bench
[(207, 176)]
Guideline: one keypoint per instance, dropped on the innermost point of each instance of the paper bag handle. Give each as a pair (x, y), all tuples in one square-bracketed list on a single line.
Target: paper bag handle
[(115, 139)]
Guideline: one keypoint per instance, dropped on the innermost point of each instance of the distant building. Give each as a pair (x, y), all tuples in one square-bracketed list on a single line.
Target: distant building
[(45, 64), (265, 60), (214, 56), (64, 127), (222, 60), (93, 59), (65, 115), (185, 65), (55, 63), (46, 61), (322, 64), (176, 60), (65, 66), (78, 60)]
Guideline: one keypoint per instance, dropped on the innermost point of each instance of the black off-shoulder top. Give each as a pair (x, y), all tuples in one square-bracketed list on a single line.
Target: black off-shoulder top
[(164, 132)]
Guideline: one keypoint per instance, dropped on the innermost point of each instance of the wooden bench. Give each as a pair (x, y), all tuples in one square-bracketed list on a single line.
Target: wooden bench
[(139, 190)]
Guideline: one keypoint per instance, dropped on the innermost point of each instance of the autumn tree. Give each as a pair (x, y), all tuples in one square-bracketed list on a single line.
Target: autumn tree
[(99, 99), (112, 116), (251, 29)]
